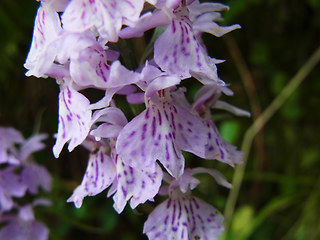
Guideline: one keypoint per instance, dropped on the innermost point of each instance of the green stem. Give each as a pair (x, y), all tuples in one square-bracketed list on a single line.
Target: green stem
[(257, 126)]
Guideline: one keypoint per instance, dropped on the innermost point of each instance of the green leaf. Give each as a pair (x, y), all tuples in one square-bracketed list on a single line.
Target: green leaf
[(242, 219), (230, 131), (278, 82), (275, 205)]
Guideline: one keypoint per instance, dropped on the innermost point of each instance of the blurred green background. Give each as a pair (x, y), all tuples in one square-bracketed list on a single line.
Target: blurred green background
[(280, 193)]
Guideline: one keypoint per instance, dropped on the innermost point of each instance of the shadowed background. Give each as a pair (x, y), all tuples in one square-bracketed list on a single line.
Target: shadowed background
[(280, 193)]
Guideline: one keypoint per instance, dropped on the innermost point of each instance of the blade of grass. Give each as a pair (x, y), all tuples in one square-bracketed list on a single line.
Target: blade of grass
[(257, 126), (273, 206)]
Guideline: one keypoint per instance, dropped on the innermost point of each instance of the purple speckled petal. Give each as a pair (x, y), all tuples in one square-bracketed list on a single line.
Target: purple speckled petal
[(106, 16), (205, 23), (120, 76), (113, 121), (196, 8), (130, 10), (204, 16), (217, 148), (135, 185), (147, 21), (207, 97), (161, 82), (110, 115), (118, 79), (105, 101), (46, 30), (88, 60), (100, 173), (166, 4), (148, 74), (160, 133), (149, 137), (185, 182), (191, 134), (106, 130), (74, 119), (88, 63), (184, 217), (177, 50), (83, 15), (180, 99)]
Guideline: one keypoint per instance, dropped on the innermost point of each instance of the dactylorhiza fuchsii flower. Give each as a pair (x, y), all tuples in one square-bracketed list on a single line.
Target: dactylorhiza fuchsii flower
[(216, 148), (20, 175), (23, 225), (106, 168), (76, 43), (184, 216), (185, 21)]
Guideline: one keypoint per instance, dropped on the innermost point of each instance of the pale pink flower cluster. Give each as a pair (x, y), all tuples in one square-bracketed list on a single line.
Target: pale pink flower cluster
[(21, 176), (74, 41)]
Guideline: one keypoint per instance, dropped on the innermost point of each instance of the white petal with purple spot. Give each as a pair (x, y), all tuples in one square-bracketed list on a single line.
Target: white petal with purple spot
[(135, 185), (46, 30), (177, 51), (107, 16), (74, 119), (217, 148), (100, 173), (184, 217), (160, 133)]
